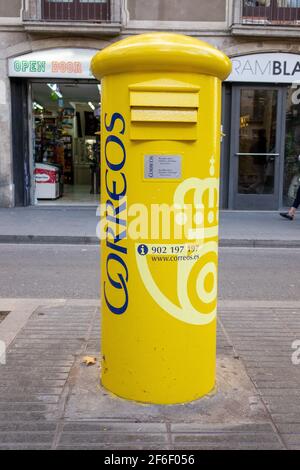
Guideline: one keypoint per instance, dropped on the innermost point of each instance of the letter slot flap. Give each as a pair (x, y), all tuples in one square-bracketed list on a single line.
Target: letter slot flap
[(160, 115)]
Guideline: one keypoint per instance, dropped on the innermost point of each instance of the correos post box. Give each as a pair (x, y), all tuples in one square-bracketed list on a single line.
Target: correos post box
[(160, 165)]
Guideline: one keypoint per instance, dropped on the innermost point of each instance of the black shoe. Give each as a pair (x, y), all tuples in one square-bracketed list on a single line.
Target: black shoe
[(286, 215)]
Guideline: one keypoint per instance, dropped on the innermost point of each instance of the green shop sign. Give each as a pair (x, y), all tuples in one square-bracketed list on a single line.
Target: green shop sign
[(53, 63), (34, 66)]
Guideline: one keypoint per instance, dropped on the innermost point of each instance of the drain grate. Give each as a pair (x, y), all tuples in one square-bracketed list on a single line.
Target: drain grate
[(3, 315)]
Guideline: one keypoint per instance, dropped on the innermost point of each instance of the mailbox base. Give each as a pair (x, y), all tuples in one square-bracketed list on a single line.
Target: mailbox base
[(162, 401)]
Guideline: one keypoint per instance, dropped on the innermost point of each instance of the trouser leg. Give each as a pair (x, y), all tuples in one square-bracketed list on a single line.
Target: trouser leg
[(297, 200)]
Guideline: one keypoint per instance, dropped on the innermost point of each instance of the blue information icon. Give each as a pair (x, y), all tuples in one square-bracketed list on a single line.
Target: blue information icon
[(143, 250)]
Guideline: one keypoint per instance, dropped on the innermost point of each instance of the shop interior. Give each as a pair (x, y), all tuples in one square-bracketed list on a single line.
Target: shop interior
[(258, 123), (66, 142), (258, 119)]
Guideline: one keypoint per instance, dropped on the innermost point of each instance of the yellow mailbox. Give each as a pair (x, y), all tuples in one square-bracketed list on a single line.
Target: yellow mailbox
[(160, 166)]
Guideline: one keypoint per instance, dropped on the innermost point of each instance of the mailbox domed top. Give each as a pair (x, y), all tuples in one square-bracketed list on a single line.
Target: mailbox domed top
[(165, 52)]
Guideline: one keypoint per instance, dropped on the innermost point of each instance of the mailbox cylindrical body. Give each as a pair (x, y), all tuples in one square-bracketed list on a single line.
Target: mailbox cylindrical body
[(160, 166)]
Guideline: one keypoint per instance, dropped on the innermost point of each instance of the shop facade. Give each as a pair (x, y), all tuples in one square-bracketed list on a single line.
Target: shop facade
[(261, 120), (261, 110), (56, 102), (261, 125)]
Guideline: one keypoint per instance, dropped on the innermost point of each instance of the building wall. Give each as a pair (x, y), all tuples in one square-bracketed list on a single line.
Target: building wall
[(12, 44), (16, 40), (177, 10), (7, 40), (10, 8)]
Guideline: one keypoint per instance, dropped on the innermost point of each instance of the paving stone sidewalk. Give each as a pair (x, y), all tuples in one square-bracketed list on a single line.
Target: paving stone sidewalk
[(49, 400), (77, 225)]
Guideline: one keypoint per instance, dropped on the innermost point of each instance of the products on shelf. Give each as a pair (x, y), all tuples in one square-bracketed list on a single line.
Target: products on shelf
[(53, 144), (68, 159), (57, 141)]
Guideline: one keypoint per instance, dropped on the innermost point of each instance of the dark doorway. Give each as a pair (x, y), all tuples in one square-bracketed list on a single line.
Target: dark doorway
[(21, 166)]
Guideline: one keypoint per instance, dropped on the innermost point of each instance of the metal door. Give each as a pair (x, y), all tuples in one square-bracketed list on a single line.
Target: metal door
[(257, 136)]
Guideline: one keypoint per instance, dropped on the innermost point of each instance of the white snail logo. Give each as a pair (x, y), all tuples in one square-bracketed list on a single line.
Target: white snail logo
[(207, 230)]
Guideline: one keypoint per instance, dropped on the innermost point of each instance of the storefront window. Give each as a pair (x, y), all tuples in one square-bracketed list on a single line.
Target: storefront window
[(292, 146), (258, 117), (288, 3), (66, 141), (257, 3), (267, 3)]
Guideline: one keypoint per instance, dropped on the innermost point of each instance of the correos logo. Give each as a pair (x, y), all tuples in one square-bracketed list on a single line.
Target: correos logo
[(116, 286)]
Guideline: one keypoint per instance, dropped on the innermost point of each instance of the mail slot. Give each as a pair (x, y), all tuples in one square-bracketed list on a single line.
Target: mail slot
[(160, 162), (164, 106)]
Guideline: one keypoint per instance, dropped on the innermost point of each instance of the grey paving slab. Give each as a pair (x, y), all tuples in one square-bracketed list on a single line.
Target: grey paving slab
[(229, 438), (284, 408), (290, 429), (27, 427), (13, 446), (13, 398), (286, 418), (27, 407), (112, 438), (292, 440), (22, 417), (282, 393), (40, 437), (279, 383), (114, 427), (111, 446), (39, 393), (231, 445), (199, 428), (255, 405)]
